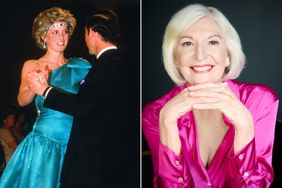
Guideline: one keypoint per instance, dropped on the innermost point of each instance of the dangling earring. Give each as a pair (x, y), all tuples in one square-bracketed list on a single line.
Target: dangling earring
[(44, 44)]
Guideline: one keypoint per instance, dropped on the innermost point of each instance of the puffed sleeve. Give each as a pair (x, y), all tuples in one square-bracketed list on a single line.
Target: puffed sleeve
[(251, 167), (79, 68), (71, 76)]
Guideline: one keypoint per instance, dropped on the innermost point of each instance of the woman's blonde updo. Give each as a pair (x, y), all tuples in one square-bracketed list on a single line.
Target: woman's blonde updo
[(47, 18)]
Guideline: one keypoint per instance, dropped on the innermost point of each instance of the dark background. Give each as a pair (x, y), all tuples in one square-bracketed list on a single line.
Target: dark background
[(259, 25), (17, 44)]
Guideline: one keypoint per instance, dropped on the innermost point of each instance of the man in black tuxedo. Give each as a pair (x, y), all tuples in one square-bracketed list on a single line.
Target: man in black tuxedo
[(103, 150)]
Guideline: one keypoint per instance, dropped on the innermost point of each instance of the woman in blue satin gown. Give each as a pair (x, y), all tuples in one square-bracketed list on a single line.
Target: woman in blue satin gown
[(38, 160)]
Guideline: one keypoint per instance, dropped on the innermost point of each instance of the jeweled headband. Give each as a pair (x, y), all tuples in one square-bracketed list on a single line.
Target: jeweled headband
[(57, 25)]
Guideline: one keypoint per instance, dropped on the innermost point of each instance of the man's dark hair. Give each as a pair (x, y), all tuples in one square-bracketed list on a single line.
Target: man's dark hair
[(106, 23)]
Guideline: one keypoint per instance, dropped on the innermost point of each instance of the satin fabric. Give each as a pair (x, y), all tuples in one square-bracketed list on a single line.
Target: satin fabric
[(250, 167), (38, 160)]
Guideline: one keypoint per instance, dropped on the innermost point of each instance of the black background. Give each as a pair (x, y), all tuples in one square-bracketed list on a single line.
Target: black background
[(258, 23), (17, 44)]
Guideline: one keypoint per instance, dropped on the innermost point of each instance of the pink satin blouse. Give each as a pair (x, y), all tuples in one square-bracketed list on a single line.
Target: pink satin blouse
[(251, 167)]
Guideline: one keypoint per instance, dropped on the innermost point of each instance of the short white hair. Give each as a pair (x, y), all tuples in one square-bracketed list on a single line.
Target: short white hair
[(182, 20)]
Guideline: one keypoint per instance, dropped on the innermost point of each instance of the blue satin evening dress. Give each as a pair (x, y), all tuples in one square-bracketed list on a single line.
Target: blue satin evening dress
[(38, 160)]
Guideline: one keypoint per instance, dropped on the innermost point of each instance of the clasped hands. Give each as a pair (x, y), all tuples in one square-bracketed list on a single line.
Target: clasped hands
[(208, 96), (37, 81)]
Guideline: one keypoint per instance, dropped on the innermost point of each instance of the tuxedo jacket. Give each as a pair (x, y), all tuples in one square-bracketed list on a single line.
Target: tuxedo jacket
[(103, 149)]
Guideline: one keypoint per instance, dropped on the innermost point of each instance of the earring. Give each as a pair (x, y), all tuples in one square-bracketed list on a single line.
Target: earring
[(44, 44)]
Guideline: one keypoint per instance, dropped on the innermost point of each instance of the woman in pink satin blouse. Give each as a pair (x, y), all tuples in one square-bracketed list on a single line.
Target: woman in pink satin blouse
[(210, 130)]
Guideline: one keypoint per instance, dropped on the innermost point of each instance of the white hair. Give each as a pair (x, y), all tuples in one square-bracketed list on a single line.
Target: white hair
[(182, 20)]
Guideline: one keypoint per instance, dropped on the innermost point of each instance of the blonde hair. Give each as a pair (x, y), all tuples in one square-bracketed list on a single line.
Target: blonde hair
[(182, 20), (47, 18)]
